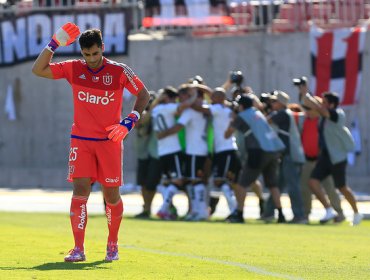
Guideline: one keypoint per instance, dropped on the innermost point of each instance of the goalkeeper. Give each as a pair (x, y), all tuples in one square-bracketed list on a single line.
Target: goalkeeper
[(97, 132)]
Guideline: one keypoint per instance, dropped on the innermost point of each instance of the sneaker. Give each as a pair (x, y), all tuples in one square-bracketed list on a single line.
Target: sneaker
[(143, 215), (112, 252), (75, 255), (167, 216), (328, 217), (357, 218), (339, 218), (235, 217)]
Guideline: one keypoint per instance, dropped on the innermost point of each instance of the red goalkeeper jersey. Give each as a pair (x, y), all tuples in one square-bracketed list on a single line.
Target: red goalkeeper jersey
[(97, 94)]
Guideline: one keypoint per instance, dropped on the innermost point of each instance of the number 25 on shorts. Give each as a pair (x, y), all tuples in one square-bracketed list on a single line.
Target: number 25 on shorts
[(73, 153)]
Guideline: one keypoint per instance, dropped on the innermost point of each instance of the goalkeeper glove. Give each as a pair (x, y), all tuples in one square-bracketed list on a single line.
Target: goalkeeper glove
[(120, 131), (64, 36)]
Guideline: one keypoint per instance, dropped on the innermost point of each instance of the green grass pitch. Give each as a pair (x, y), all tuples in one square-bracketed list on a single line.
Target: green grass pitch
[(33, 246)]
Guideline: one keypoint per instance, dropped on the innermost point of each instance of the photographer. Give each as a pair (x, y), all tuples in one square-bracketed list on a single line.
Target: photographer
[(293, 157), (233, 84), (266, 100), (335, 141), (263, 147), (302, 84)]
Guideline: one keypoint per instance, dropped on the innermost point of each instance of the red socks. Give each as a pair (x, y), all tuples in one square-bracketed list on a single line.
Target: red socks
[(114, 216), (78, 216)]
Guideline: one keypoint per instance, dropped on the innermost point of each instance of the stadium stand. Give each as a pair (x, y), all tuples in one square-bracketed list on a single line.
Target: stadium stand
[(219, 17), (294, 16)]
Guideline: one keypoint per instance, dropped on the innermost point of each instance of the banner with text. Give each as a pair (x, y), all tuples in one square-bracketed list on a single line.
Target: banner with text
[(23, 37)]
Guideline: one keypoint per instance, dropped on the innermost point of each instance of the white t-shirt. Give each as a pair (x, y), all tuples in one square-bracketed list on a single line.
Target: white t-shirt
[(221, 118), (195, 124), (163, 117)]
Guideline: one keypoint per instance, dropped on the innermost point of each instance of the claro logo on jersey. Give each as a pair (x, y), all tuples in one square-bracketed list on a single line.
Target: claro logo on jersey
[(94, 99)]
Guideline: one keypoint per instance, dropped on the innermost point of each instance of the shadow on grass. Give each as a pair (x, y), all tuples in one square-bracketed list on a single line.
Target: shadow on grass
[(248, 222), (70, 266), (61, 266)]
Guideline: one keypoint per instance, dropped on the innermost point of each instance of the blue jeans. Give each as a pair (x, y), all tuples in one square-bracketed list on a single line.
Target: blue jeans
[(289, 179)]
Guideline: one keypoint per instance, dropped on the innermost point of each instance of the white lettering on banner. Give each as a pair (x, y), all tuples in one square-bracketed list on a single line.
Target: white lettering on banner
[(113, 27), (24, 37), (94, 99), (40, 26), (82, 217), (14, 39), (87, 21)]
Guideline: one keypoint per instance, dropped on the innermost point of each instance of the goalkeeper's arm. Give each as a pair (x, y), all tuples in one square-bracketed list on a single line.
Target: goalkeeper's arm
[(41, 66), (65, 36)]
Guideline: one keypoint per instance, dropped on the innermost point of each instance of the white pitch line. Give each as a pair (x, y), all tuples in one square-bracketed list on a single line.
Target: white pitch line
[(250, 268)]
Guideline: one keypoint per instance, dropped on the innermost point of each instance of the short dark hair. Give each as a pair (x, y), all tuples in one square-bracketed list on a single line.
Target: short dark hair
[(244, 100), (331, 97), (170, 91), (91, 37), (183, 89)]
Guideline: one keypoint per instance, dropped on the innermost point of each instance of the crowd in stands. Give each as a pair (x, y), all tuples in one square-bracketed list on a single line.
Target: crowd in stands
[(232, 15), (195, 139)]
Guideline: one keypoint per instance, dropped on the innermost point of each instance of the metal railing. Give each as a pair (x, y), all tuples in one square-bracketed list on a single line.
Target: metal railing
[(216, 16)]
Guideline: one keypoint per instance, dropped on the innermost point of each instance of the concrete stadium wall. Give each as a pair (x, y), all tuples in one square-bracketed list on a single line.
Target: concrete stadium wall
[(34, 148)]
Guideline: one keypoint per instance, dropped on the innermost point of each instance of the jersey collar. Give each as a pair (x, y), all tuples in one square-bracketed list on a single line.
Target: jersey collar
[(96, 71)]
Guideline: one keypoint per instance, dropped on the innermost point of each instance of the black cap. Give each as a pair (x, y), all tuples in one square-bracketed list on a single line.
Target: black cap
[(300, 81), (244, 100)]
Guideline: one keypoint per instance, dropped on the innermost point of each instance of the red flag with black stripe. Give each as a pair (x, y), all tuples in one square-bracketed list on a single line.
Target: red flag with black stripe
[(336, 61)]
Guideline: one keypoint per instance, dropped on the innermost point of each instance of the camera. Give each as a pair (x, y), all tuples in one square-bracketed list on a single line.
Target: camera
[(196, 80), (236, 77), (300, 81), (265, 98)]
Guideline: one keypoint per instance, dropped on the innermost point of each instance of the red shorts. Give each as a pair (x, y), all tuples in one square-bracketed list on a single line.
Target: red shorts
[(99, 160)]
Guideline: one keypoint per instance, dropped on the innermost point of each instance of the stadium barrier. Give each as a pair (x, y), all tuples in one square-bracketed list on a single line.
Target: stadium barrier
[(216, 16)]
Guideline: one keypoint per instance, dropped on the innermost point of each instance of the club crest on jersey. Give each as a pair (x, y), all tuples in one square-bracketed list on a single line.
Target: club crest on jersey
[(95, 79), (107, 79)]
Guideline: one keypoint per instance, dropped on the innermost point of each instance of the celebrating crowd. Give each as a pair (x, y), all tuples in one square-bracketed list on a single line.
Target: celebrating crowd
[(193, 137)]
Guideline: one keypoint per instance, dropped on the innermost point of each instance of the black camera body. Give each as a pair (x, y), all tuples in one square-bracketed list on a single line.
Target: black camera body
[(265, 98), (300, 81), (236, 77)]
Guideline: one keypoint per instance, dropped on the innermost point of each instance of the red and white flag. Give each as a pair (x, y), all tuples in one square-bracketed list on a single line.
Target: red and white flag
[(336, 61)]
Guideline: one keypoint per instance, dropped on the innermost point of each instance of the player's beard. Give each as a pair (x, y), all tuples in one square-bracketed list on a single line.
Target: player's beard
[(95, 64)]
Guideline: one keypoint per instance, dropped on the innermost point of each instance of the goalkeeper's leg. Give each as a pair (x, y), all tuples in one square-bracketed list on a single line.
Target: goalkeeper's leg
[(78, 217), (114, 211)]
